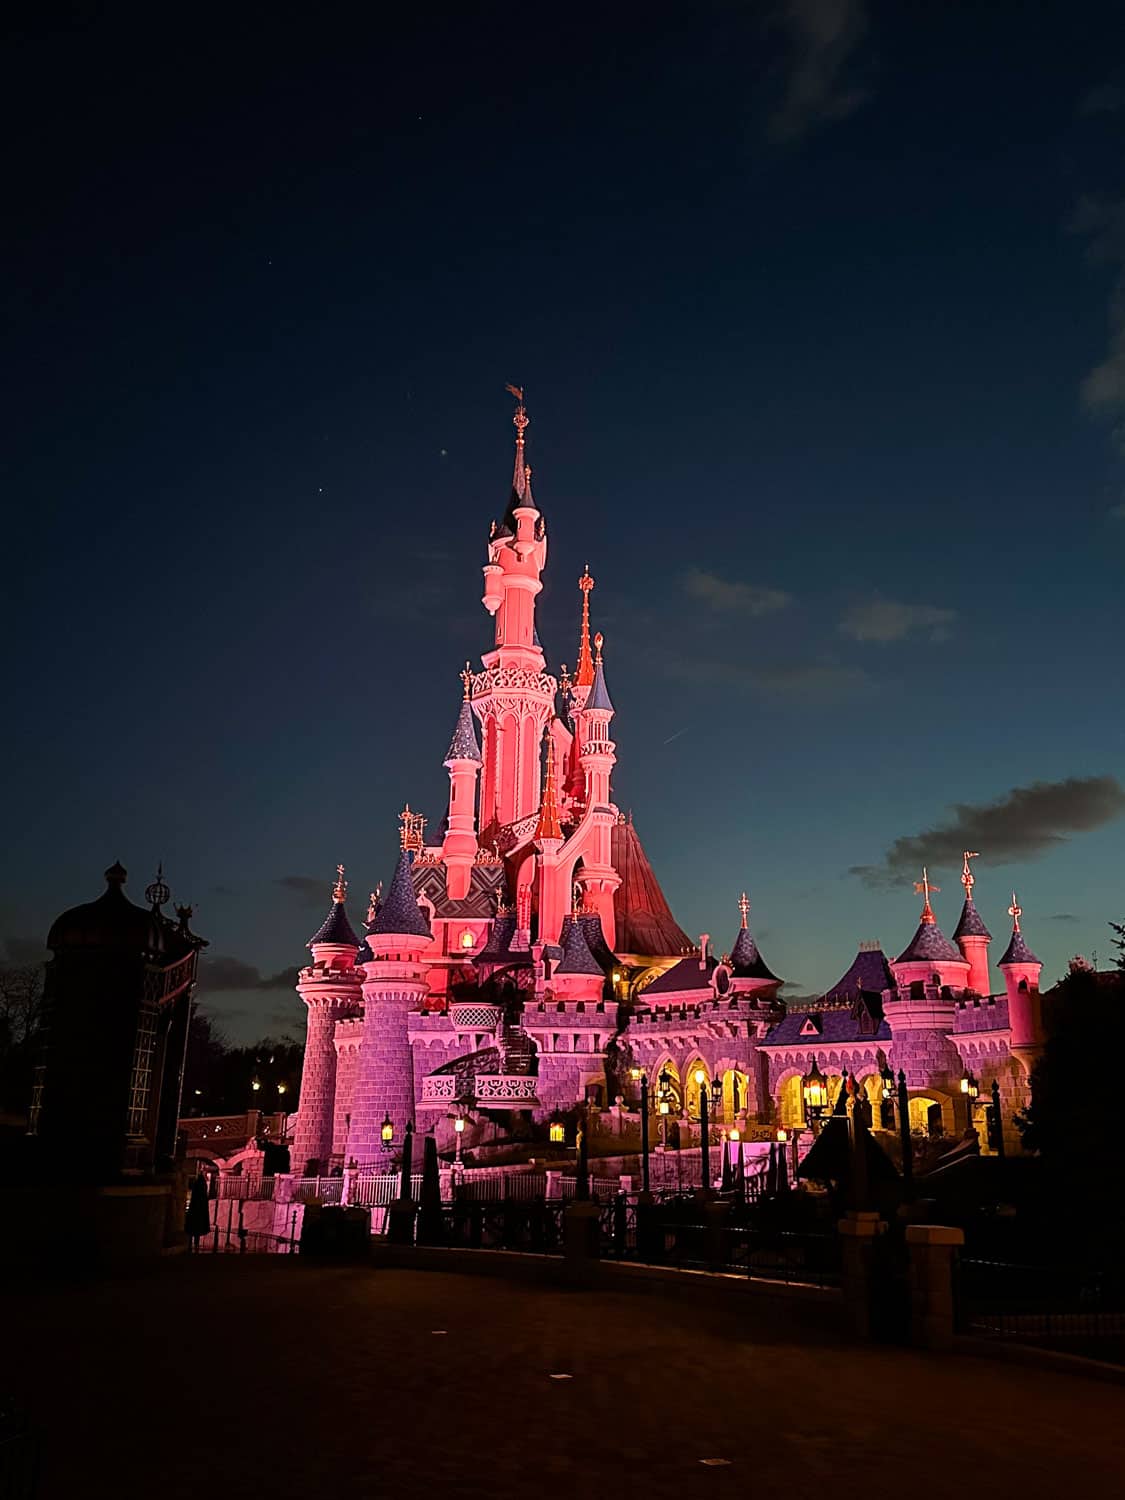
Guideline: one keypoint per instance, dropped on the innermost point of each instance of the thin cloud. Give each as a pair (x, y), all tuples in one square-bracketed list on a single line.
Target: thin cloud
[(884, 620), (1101, 221), (824, 39), (308, 889), (1063, 916), (1023, 824), (733, 598), (226, 974), (822, 681)]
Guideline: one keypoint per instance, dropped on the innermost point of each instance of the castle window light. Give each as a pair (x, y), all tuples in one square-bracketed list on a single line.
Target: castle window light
[(467, 939)]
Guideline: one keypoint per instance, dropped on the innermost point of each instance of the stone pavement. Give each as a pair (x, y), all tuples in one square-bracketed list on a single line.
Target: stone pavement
[(272, 1378)]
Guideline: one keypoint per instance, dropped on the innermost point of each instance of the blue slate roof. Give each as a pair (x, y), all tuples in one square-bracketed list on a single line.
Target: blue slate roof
[(599, 693), (929, 945), (868, 972), (856, 1023), (591, 925), (464, 744), (399, 912), (971, 923), (1017, 951), (686, 975), (576, 956), (499, 939), (745, 959), (335, 929)]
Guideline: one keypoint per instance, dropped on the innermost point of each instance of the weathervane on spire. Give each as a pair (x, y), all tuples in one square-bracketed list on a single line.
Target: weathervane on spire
[(968, 879), (467, 680), (1015, 911), (340, 889), (744, 908), (924, 887), (520, 418)]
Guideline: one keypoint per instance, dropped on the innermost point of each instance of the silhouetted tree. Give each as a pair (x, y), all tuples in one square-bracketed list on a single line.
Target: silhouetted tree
[(21, 1016), (219, 1079)]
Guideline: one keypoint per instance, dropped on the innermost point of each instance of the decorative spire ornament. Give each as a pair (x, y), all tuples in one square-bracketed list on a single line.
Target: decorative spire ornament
[(373, 902), (968, 879), (548, 826), (519, 421), (584, 674), (467, 680), (744, 909), (340, 889), (158, 894), (1015, 911), (923, 888)]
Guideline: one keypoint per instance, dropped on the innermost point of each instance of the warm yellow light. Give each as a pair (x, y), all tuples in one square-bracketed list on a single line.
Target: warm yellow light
[(558, 1131), (636, 1074), (467, 939), (783, 1136), (964, 1085), (736, 1134), (458, 1124), (256, 1085), (616, 977), (281, 1088), (665, 1107), (700, 1076)]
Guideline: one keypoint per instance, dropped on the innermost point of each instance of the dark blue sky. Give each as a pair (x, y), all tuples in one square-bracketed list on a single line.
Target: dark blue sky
[(820, 307)]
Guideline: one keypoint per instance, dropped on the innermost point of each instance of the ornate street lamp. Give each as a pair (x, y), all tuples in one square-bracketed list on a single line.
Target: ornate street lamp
[(640, 1076), (814, 1090), (704, 1137), (970, 1088), (387, 1131), (458, 1131), (557, 1129)]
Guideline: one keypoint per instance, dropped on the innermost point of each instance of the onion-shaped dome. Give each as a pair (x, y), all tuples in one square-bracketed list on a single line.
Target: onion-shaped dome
[(110, 922)]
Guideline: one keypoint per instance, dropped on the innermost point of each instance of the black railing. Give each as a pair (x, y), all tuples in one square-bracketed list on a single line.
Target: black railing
[(19, 1453), (531, 1225), (1071, 1308)]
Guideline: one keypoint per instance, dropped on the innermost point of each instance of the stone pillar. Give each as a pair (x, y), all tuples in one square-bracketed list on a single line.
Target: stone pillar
[(312, 1137), (347, 1189), (553, 1190), (931, 1249), (858, 1233)]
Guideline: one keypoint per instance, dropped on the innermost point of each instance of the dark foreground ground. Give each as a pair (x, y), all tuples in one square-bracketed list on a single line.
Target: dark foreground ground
[(274, 1379)]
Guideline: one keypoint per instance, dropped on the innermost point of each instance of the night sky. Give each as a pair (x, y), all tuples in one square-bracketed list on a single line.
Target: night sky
[(820, 308)]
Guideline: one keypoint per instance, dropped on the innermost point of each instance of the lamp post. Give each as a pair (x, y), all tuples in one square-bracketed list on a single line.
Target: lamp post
[(970, 1088), (887, 1110), (904, 1137), (814, 1090), (704, 1137), (639, 1075), (458, 1132), (997, 1117)]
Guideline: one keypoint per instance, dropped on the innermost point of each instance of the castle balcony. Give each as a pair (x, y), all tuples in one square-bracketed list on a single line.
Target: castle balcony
[(515, 1090), (474, 1015)]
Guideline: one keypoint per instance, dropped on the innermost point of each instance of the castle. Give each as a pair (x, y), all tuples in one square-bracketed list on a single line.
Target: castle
[(524, 958)]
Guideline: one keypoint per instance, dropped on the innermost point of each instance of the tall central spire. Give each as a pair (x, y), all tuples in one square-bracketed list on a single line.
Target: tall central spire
[(548, 826), (584, 674), (520, 420)]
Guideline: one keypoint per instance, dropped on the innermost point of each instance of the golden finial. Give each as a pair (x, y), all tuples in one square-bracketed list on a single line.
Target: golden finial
[(599, 642), (923, 888), (340, 889), (520, 418), (373, 902), (968, 879), (467, 680), (1015, 911), (411, 831), (564, 678), (744, 907)]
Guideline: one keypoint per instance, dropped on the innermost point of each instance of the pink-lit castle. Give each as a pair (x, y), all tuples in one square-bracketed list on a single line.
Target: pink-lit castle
[(524, 959)]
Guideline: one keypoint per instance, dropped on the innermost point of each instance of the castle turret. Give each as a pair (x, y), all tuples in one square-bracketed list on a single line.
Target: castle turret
[(750, 974), (597, 754), (330, 988), (513, 697), (394, 983), (930, 958), (462, 760), (971, 935), (1021, 970), (578, 975)]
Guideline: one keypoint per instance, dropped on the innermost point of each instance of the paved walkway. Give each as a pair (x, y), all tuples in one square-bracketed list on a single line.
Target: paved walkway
[(276, 1379)]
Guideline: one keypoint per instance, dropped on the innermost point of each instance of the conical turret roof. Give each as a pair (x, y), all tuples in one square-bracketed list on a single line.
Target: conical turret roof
[(929, 945), (399, 912), (464, 744), (971, 923), (335, 929), (1017, 951), (577, 958)]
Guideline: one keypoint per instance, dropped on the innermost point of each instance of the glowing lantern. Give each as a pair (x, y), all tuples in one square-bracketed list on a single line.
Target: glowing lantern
[(557, 1130), (387, 1131)]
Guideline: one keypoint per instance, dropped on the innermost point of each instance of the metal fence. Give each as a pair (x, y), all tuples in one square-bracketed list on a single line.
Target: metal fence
[(1071, 1308), (248, 1188)]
